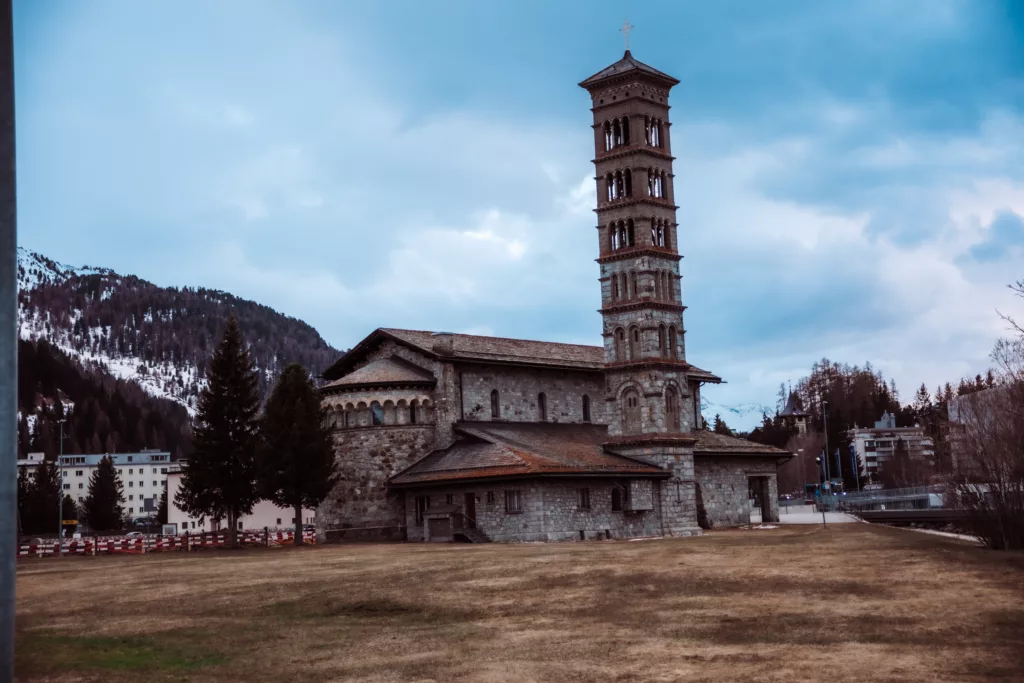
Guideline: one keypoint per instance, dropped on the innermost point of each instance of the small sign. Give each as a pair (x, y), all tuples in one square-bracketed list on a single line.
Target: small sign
[(70, 522)]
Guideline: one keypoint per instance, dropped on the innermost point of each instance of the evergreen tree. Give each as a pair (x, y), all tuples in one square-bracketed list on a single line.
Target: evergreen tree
[(161, 510), (219, 479), (69, 512), (102, 507), (296, 467), (24, 499), (42, 499), (719, 426)]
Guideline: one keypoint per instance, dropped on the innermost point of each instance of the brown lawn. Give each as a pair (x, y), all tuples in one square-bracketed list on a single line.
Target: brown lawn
[(850, 603)]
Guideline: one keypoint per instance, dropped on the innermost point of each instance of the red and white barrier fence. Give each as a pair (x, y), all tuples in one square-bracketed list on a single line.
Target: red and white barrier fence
[(143, 545)]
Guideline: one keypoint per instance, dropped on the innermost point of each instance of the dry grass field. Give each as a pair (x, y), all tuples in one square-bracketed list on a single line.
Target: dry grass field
[(847, 603)]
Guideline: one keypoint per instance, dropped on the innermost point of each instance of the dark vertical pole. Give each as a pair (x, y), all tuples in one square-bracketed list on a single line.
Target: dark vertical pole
[(8, 346)]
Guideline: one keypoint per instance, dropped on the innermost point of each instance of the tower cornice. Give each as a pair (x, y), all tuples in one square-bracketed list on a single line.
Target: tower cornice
[(641, 304), (636, 201), (628, 253), (633, 150)]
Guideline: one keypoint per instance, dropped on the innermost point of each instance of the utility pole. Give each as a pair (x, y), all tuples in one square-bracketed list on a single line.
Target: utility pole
[(8, 346), (60, 487), (824, 415)]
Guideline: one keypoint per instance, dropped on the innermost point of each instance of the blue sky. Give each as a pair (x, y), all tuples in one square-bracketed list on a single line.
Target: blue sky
[(850, 176)]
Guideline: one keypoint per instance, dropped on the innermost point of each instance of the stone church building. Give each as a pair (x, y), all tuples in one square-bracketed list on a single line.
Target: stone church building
[(444, 436)]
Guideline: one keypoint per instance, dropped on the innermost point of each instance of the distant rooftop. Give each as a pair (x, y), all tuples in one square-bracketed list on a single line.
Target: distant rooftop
[(93, 459)]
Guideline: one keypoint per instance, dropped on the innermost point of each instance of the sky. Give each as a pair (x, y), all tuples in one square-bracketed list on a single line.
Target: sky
[(850, 176)]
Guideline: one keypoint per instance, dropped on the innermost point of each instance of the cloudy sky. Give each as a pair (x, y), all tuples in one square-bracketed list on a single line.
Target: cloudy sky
[(850, 176)]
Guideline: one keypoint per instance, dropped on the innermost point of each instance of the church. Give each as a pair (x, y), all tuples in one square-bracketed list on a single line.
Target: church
[(442, 436)]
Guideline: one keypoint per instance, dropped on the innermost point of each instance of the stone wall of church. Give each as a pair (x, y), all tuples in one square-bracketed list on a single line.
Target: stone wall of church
[(550, 511), (518, 391), (359, 507), (725, 487)]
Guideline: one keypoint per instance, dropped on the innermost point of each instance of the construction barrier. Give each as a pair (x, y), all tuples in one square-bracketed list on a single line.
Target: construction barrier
[(143, 545)]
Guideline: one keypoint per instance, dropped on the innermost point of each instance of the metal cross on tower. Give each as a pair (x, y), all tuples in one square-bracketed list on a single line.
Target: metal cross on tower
[(626, 28)]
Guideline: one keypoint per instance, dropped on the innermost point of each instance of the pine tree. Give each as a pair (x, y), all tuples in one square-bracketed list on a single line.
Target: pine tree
[(296, 467), (220, 474), (161, 510), (719, 426), (102, 507), (43, 495), (24, 500)]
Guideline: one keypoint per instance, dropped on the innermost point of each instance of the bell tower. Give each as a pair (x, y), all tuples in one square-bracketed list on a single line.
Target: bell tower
[(649, 398)]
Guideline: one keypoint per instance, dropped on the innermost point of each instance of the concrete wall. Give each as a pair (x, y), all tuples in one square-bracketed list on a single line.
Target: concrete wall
[(518, 389), (725, 488), (550, 511)]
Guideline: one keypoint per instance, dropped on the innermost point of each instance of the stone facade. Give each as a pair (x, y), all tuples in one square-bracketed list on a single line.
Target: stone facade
[(519, 390), (550, 511), (725, 488)]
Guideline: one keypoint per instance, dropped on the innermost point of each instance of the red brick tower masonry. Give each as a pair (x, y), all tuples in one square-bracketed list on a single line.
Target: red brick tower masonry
[(650, 401)]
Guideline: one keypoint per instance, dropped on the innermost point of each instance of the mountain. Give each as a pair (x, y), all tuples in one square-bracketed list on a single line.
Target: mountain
[(132, 356)]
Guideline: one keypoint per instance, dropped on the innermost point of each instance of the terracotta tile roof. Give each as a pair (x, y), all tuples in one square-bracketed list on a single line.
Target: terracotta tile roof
[(470, 347), (491, 450), (709, 443), (624, 66), (384, 371)]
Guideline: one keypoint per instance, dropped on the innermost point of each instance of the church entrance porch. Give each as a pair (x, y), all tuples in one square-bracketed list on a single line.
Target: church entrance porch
[(759, 489)]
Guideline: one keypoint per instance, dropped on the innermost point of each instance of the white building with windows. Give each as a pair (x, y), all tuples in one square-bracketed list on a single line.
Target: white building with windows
[(876, 445), (143, 476), (265, 515)]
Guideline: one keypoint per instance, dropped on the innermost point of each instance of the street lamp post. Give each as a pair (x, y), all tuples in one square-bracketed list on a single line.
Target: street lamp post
[(60, 488)]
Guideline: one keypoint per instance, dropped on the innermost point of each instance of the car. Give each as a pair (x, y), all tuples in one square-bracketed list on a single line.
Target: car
[(308, 527), (134, 534)]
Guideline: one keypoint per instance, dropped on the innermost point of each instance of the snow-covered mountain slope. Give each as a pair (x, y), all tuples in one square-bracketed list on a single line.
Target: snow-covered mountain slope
[(160, 338)]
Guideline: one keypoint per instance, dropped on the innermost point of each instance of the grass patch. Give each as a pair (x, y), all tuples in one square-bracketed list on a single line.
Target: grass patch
[(320, 607), (41, 652)]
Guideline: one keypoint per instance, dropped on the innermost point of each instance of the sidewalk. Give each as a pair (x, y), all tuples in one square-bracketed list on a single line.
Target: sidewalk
[(809, 516)]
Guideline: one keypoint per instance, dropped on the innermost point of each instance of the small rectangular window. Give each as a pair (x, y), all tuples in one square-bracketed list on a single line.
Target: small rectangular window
[(131, 496), (131, 483), (584, 499), (67, 486), (131, 471), (513, 502), (81, 486), (490, 497), (449, 498), (422, 505), (279, 521)]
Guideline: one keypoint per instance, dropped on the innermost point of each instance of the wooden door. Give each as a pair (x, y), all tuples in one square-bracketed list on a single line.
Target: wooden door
[(470, 510)]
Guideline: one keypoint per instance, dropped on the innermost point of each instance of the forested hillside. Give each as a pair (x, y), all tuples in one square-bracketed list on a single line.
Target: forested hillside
[(126, 359)]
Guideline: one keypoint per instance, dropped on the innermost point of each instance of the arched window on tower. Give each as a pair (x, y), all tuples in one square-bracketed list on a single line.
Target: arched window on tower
[(495, 405), (650, 182), (630, 233), (630, 412), (542, 407), (613, 237), (616, 133), (654, 231), (647, 129), (625, 130), (628, 189), (656, 133), (412, 413), (625, 285), (586, 408), (671, 410), (672, 334), (607, 135), (634, 343), (661, 340), (633, 291), (609, 186), (615, 287), (661, 233), (620, 344)]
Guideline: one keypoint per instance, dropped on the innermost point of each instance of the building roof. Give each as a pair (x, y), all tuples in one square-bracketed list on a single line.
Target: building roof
[(794, 407), (477, 348), (709, 443), (384, 371), (92, 460), (627, 66), (488, 450)]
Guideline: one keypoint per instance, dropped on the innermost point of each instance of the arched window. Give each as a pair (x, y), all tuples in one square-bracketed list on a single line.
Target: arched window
[(613, 236), (657, 285), (586, 408), (671, 410), (633, 291), (495, 406), (661, 233), (620, 344), (672, 342), (609, 186), (630, 412), (345, 418), (616, 498), (412, 413), (376, 414), (616, 133), (634, 343), (630, 234), (607, 136), (542, 407), (650, 182), (615, 287), (625, 130), (647, 129), (661, 340), (628, 190), (664, 184)]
